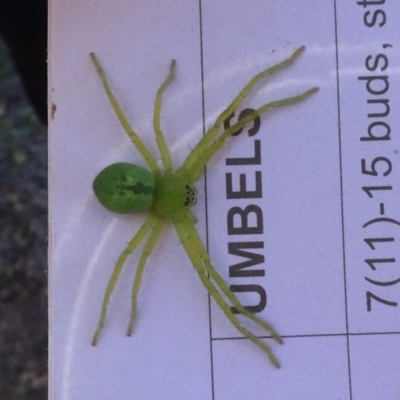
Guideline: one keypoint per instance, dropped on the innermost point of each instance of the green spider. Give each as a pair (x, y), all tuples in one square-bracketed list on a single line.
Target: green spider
[(169, 194)]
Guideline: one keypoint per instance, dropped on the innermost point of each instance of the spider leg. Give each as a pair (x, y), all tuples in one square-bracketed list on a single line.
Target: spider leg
[(209, 152), (162, 146), (196, 260), (149, 247), (141, 233), (214, 130), (198, 245), (143, 150)]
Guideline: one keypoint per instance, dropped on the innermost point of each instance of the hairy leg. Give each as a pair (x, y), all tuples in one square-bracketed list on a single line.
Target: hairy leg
[(143, 150), (214, 130), (162, 146), (203, 158), (144, 229), (148, 249), (184, 236), (198, 245)]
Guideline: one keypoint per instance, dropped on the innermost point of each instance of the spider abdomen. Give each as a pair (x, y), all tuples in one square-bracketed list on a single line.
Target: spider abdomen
[(125, 188)]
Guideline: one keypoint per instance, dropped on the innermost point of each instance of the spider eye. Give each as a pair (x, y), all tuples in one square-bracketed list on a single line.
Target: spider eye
[(125, 188), (191, 196)]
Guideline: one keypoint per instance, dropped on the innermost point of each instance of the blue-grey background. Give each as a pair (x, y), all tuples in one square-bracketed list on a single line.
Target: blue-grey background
[(23, 200)]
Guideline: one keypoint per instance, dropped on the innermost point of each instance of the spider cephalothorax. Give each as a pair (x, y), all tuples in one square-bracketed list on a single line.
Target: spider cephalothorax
[(167, 195)]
